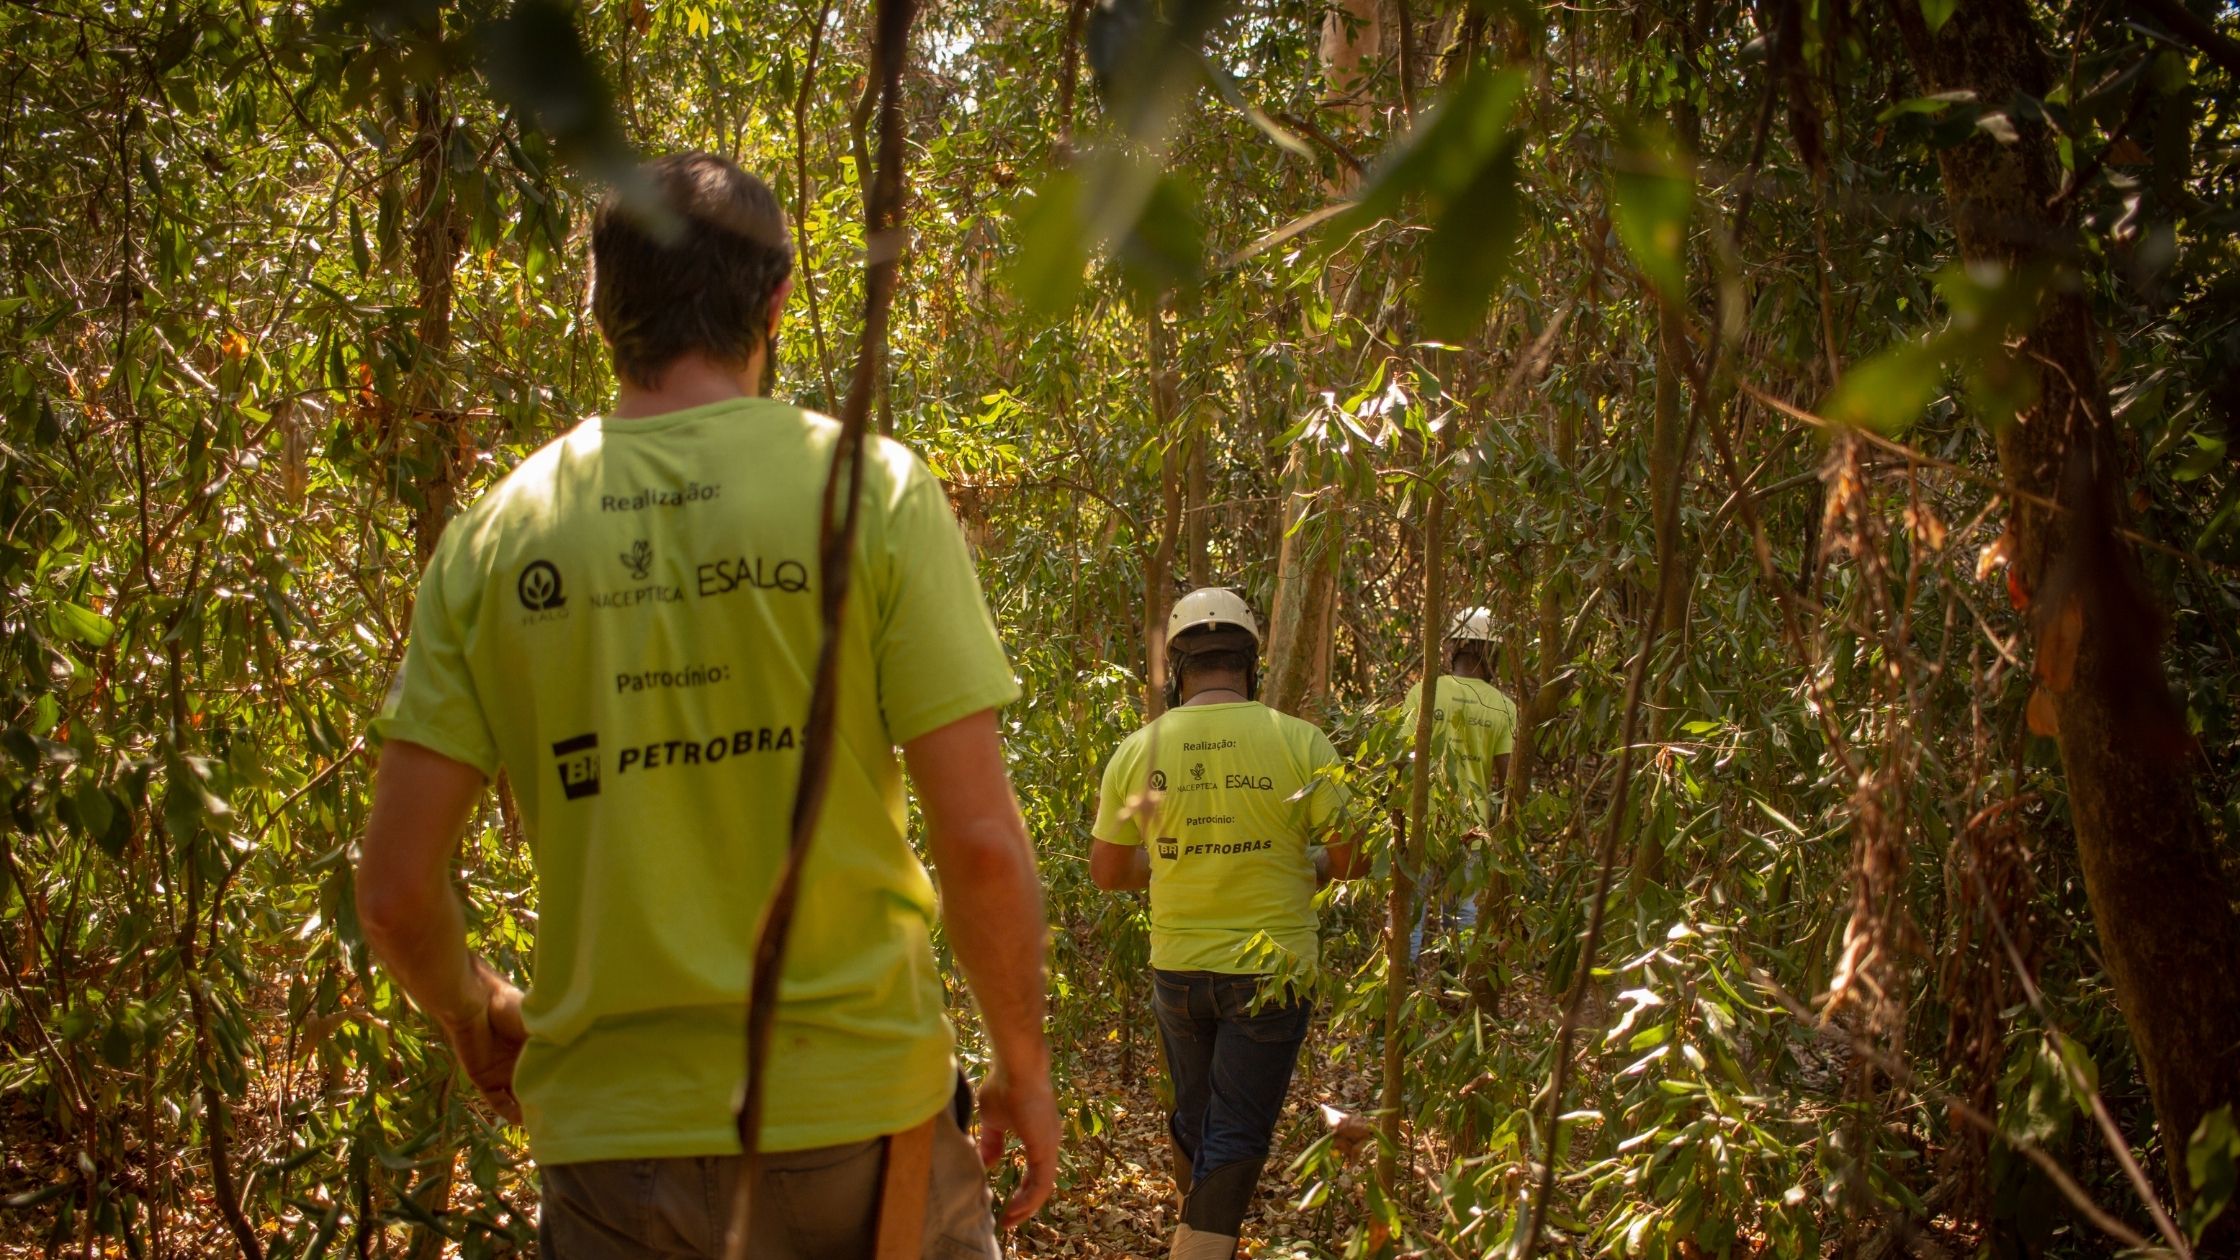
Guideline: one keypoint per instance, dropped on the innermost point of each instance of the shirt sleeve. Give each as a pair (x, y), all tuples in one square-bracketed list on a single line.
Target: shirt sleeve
[(1326, 803), (1119, 789), (934, 642), (1505, 739), (432, 701)]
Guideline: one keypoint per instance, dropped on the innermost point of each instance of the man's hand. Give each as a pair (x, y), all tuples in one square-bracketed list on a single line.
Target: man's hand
[(413, 922), (1022, 1105), (488, 1043)]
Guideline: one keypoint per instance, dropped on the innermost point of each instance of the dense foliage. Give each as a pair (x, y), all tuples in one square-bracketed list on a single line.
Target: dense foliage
[(1663, 307)]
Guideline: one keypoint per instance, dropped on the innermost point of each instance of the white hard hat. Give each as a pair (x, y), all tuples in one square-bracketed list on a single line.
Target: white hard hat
[(1208, 608), (1473, 623)]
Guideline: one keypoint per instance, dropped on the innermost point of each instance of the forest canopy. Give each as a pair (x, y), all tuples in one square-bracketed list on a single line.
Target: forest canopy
[(1834, 403)]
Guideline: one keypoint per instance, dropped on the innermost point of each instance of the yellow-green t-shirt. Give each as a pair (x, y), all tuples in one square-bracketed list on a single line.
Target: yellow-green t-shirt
[(1228, 796), (627, 624), (1471, 724)]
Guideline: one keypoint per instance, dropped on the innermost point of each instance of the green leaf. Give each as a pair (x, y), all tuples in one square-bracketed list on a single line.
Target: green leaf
[(78, 622), (2081, 1072), (95, 810), (1652, 192), (2213, 1165), (1938, 12), (536, 61), (361, 256), (77, 1022), (1234, 95), (182, 811), (1471, 247), (1047, 272), (1445, 155), (388, 221), (2206, 457), (2222, 521), (1888, 392), (116, 1045), (1165, 247)]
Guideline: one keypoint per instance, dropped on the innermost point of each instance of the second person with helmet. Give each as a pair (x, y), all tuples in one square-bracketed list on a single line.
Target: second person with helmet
[(1474, 728), (1226, 811)]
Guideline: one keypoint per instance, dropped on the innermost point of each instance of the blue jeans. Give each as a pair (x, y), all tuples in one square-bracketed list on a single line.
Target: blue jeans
[(1231, 1066), (1465, 915)]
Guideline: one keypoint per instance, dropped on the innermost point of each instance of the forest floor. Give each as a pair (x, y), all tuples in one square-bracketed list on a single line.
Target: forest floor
[(1126, 1206), (1115, 1197), (1120, 1202)]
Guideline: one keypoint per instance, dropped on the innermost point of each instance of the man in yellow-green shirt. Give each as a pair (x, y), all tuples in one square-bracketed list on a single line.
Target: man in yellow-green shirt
[(1473, 731), (626, 624), (1229, 812)]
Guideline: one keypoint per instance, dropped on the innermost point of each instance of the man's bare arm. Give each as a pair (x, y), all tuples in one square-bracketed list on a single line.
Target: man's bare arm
[(413, 921), (992, 908), (1119, 867), (1344, 859)]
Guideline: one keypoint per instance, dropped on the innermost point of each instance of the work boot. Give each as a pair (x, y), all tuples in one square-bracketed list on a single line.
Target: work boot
[(1196, 1244), (1213, 1216), (1181, 1171)]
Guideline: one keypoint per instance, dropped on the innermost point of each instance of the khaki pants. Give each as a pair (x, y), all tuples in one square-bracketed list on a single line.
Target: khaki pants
[(809, 1205)]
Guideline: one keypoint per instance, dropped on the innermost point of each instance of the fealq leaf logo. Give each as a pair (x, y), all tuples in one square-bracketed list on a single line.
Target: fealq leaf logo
[(539, 587)]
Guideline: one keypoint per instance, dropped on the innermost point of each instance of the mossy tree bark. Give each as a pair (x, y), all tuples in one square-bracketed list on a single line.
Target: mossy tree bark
[(2162, 909)]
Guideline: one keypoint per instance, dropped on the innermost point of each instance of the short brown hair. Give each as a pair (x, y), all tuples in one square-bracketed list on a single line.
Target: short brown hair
[(688, 262)]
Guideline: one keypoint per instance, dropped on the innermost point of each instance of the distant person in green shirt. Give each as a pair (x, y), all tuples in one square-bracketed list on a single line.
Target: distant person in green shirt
[(626, 625), (1218, 808), (1473, 731)]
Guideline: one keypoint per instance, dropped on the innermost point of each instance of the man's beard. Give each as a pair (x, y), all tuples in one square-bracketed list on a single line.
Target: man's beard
[(768, 384)]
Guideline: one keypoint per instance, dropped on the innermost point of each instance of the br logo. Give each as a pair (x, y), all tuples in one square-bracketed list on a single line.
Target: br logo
[(539, 587), (578, 758), (1158, 780)]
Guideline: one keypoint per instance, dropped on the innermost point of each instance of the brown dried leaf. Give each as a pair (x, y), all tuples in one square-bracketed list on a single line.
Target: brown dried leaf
[(295, 459), (1925, 526), (1348, 1131), (2056, 665), (1994, 557)]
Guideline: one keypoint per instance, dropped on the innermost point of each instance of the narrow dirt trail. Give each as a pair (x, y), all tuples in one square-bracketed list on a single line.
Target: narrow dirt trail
[(1120, 1201)]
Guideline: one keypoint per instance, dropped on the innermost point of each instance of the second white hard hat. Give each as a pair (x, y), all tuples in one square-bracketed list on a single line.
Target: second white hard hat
[(1473, 623), (1208, 608)]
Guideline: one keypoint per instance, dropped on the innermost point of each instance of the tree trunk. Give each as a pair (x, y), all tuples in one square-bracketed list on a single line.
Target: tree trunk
[(1668, 594), (1298, 659), (1544, 693), (437, 239), (1158, 574), (1352, 38), (437, 428), (2164, 915), (1400, 897), (1669, 433), (1197, 522)]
